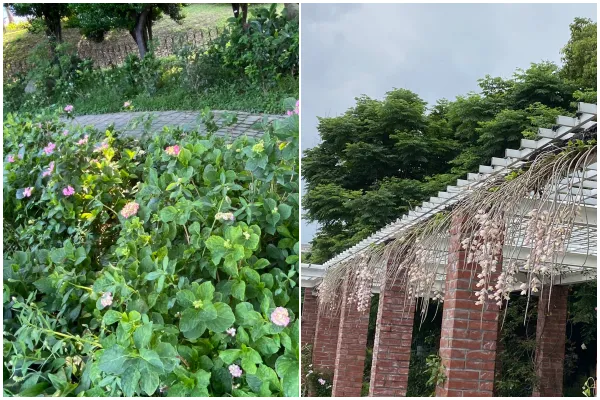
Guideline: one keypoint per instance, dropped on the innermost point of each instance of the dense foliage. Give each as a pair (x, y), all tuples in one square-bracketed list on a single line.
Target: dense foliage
[(412, 152), (247, 69), (168, 266)]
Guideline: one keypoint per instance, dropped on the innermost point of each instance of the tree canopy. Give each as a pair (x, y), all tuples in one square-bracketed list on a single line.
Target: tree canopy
[(384, 157)]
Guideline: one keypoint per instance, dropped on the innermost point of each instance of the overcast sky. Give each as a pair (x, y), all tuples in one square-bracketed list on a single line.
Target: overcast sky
[(435, 50)]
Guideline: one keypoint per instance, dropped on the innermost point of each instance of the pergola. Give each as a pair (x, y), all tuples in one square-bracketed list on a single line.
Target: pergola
[(576, 263)]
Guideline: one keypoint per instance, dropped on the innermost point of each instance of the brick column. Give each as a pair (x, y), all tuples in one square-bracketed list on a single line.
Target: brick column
[(351, 349), (469, 332), (550, 341), (325, 342), (393, 338), (309, 315)]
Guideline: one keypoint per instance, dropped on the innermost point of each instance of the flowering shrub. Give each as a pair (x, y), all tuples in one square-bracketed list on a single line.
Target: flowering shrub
[(167, 267)]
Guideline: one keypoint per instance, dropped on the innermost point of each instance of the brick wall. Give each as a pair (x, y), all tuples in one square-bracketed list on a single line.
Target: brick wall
[(469, 332), (550, 341), (308, 327), (393, 337), (351, 350)]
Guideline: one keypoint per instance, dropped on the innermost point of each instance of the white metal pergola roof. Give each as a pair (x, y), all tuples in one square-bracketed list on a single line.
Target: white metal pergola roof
[(581, 252)]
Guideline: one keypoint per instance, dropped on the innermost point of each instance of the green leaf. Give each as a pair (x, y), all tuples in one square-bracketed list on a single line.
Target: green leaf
[(111, 317), (150, 383), (184, 156), (208, 312), (168, 214), (205, 291), (185, 298), (287, 367), (221, 381), (189, 320), (246, 315), (251, 275), (152, 358), (154, 275), (224, 320), (285, 211), (130, 381), (142, 335), (229, 356), (238, 290), (216, 245), (112, 361)]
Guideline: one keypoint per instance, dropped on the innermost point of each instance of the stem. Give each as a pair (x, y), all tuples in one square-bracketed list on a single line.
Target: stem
[(213, 224), (81, 287), (50, 331)]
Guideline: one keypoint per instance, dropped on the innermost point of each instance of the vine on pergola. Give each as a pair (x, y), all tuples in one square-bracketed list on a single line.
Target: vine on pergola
[(528, 210)]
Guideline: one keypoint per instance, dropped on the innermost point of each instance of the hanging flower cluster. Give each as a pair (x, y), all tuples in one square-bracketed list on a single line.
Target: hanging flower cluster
[(363, 282), (485, 249), (546, 234), (506, 282)]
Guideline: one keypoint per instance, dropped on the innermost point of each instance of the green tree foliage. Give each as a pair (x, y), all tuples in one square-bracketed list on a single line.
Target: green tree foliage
[(95, 20), (383, 157), (580, 54), (49, 14)]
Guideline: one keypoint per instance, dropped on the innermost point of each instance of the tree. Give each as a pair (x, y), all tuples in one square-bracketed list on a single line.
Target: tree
[(236, 11), (580, 54), (50, 14), (9, 14), (95, 20)]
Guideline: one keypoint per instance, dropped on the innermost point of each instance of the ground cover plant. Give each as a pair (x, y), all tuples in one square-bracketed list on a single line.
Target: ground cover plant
[(249, 67), (166, 266)]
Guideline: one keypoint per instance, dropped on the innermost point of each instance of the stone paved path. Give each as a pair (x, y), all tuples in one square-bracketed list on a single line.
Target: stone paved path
[(247, 124)]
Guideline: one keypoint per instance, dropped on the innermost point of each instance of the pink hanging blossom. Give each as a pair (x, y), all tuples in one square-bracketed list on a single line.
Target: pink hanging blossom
[(69, 108), (50, 169), (27, 191), (10, 158), (126, 104), (231, 331), (69, 191), (130, 209), (49, 149), (107, 299), (173, 150), (235, 370), (280, 316), (83, 141), (321, 381)]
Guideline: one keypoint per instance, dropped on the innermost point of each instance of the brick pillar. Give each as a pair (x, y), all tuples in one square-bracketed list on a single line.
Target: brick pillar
[(309, 317), (325, 342), (351, 349), (469, 333), (393, 338), (550, 341), (308, 327)]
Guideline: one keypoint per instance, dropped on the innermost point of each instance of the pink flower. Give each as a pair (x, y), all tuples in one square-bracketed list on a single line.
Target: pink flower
[(101, 146), (27, 192), (321, 381), (83, 141), (48, 172), (68, 108), (297, 109), (130, 209), (10, 158), (126, 104), (173, 150), (235, 370), (68, 191), (107, 299), (289, 113), (49, 149), (280, 316), (65, 132), (231, 331)]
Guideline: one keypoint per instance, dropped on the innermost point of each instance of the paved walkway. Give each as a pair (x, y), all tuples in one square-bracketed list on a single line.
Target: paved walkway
[(247, 124)]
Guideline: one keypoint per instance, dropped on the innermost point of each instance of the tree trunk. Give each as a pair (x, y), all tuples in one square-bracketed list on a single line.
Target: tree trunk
[(11, 19), (244, 9), (292, 10), (51, 15), (140, 31)]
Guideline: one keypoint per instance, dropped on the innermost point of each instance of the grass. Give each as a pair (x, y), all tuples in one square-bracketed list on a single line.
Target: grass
[(18, 44), (232, 96)]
